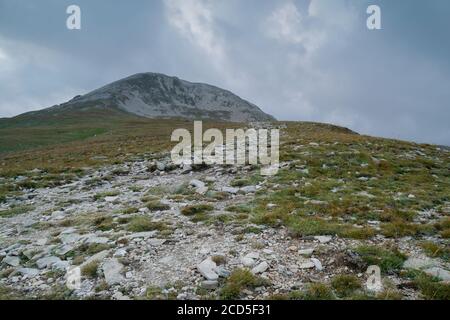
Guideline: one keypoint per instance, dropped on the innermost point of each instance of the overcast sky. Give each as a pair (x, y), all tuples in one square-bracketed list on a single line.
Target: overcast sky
[(296, 59)]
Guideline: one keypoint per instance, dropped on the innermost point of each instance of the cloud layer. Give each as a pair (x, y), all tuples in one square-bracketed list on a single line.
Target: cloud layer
[(297, 59)]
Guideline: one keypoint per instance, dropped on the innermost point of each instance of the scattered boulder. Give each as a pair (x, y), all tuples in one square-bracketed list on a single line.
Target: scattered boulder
[(306, 252), (306, 264), (112, 271), (323, 239), (247, 262), (248, 189), (47, 262), (317, 264), (161, 166), (30, 272), (13, 261), (440, 273), (418, 263), (207, 269), (209, 284), (196, 183), (230, 190), (260, 268)]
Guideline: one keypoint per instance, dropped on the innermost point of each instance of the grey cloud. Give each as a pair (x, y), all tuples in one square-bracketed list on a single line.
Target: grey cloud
[(297, 59)]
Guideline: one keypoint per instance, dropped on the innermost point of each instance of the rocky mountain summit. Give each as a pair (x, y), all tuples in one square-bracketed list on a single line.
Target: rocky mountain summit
[(155, 95)]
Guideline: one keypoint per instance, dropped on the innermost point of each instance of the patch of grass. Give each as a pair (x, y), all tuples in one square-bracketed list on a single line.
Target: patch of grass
[(318, 291), (120, 172), (90, 270), (239, 208), (105, 194), (15, 210), (9, 294), (157, 191), (104, 223), (136, 188), (157, 206), (196, 209), (239, 280), (58, 292), (430, 287), (399, 228), (154, 293), (389, 294), (443, 226), (142, 224), (240, 182), (219, 259), (389, 260), (94, 248), (346, 284), (301, 227), (6, 272), (435, 250), (130, 210)]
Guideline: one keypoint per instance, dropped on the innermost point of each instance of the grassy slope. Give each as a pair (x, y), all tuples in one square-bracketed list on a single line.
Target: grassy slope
[(59, 143), (337, 182)]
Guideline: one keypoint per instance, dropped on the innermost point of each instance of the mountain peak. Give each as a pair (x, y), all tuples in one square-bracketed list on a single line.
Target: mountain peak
[(156, 95)]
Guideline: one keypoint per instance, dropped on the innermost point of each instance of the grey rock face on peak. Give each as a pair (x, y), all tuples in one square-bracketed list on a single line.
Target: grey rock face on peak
[(155, 95)]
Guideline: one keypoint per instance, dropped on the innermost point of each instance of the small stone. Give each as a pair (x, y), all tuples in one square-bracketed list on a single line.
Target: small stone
[(111, 199), (47, 262), (206, 269), (209, 284), (12, 261), (120, 296), (222, 272), (292, 248), (271, 205), (61, 265), (323, 239), (186, 169), (201, 190), (252, 255), (68, 238), (317, 264), (111, 270), (161, 166), (230, 190), (100, 256), (146, 234), (120, 253), (63, 250), (440, 273), (167, 260), (156, 242), (306, 264), (247, 262), (418, 263), (248, 189), (260, 268), (306, 252), (197, 183), (31, 272), (97, 240), (41, 242)]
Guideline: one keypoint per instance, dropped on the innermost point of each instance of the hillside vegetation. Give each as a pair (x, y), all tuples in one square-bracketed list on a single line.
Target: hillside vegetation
[(104, 195)]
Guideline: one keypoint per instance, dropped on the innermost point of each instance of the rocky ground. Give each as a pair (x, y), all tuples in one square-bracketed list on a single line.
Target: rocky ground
[(147, 229)]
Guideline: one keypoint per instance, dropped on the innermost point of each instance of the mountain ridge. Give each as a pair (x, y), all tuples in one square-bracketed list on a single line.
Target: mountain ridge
[(156, 95)]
